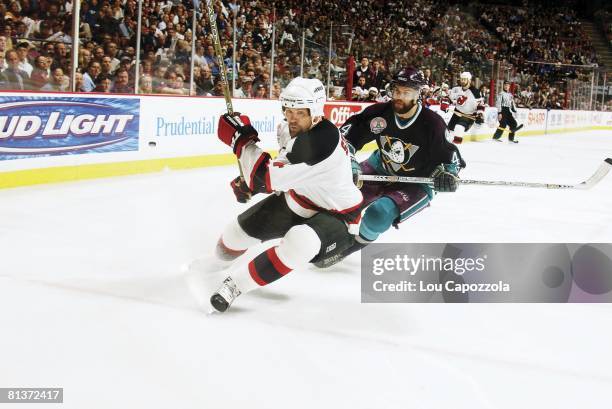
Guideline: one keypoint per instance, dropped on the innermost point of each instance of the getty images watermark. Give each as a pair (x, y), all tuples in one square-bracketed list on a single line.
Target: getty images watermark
[(486, 272)]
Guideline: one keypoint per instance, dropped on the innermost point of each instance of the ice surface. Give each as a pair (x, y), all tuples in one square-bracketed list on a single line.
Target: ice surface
[(92, 300)]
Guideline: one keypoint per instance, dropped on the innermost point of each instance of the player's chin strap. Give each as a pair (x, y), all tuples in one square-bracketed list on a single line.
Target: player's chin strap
[(599, 174)]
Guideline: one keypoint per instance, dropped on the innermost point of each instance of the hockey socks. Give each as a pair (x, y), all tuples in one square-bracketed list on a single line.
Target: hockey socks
[(378, 217), (264, 269), (300, 245)]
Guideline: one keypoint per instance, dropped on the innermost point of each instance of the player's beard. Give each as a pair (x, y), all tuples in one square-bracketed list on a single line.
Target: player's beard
[(401, 107), (295, 130)]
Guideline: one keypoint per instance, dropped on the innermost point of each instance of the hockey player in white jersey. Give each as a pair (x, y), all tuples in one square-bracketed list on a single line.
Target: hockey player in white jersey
[(469, 107), (313, 203)]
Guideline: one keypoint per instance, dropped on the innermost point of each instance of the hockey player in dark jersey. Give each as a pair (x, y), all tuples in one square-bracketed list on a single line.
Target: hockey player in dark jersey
[(314, 205), (412, 141)]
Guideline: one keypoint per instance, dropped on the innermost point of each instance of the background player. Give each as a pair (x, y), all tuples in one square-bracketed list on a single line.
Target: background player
[(412, 141), (505, 114), (316, 208), (469, 107)]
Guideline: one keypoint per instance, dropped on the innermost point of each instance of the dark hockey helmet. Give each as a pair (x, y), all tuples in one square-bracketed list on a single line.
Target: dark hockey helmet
[(409, 77)]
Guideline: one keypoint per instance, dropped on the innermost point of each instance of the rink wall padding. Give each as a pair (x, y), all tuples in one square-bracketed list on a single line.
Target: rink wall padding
[(47, 138)]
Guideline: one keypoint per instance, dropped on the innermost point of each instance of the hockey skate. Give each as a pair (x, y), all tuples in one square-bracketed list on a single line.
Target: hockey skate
[(336, 258), (225, 296), (202, 276)]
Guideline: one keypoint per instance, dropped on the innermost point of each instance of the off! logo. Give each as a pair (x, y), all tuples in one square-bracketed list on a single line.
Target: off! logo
[(339, 113), (51, 126)]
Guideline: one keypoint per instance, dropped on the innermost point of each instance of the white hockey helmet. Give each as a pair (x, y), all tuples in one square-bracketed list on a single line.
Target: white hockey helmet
[(304, 93), (466, 75)]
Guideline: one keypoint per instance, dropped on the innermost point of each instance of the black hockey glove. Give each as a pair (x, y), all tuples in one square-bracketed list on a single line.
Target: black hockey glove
[(241, 190), (355, 167), (479, 118), (444, 181)]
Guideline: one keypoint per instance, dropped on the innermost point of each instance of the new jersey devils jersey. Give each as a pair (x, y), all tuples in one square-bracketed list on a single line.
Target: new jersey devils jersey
[(313, 169), (466, 100), (411, 148)]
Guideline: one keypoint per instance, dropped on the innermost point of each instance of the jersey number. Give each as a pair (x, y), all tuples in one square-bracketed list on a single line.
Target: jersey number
[(344, 130)]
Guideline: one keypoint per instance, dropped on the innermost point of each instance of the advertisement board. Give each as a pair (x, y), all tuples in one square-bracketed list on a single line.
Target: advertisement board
[(46, 126), (47, 137)]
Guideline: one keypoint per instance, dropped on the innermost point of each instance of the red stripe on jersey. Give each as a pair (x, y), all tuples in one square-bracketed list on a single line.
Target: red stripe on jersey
[(304, 201), (310, 205), (276, 262), (356, 220), (255, 275), (267, 180), (263, 156), (350, 209)]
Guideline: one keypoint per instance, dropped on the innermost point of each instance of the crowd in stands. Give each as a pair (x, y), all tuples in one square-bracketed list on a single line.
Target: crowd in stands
[(36, 45), (604, 19)]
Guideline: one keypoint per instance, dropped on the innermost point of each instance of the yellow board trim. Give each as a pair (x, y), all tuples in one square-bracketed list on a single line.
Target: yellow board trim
[(31, 177)]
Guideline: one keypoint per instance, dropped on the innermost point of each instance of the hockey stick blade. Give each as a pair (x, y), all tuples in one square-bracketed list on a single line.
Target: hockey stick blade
[(597, 176)]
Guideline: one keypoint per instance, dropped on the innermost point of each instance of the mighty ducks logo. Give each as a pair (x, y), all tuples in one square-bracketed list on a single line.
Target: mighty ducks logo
[(396, 154)]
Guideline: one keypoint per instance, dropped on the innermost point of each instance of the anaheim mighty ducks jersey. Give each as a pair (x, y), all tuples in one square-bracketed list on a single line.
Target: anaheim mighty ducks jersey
[(313, 169), (412, 148), (466, 100)]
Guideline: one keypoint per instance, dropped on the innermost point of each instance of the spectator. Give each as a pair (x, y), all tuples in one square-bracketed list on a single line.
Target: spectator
[(362, 70), (90, 78), (372, 95), (13, 78), (276, 90), (22, 51), (206, 83), (60, 57), (3, 44), (146, 84), (106, 65), (218, 89), (40, 72), (103, 83), (57, 83), (111, 51), (376, 76), (172, 85), (261, 92), (78, 82), (122, 82), (360, 92), (85, 58)]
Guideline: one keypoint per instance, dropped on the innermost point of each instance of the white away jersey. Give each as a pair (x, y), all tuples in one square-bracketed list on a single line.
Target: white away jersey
[(313, 170), (466, 100)]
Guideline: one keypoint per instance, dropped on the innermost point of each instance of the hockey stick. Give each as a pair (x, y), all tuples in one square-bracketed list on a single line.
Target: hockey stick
[(219, 56), (601, 172), (221, 64)]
